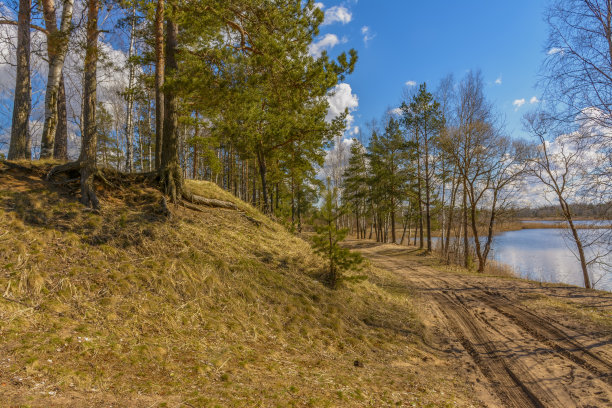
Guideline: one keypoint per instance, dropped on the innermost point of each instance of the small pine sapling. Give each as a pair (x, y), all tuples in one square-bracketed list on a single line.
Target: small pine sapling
[(327, 239)]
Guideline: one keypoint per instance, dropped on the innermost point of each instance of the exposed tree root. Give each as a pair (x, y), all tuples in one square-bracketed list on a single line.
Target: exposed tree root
[(170, 182), (88, 173), (164, 206), (64, 168), (16, 166), (88, 192)]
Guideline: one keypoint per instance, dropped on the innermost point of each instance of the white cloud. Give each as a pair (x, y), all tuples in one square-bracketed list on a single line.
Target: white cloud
[(411, 83), (319, 5), (518, 103), (328, 41), (396, 112), (337, 14), (534, 99), (340, 98), (354, 131), (498, 81), (336, 160), (367, 34), (554, 50)]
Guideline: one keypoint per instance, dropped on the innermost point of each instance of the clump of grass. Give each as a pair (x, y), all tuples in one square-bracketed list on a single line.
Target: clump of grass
[(496, 268)]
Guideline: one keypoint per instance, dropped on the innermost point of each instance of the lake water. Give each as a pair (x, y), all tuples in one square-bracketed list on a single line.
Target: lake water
[(544, 255), (576, 222)]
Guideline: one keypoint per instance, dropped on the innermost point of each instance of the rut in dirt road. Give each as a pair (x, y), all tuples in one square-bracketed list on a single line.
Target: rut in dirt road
[(523, 358)]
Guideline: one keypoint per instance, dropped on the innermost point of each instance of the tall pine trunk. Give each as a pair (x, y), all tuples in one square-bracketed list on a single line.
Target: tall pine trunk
[(170, 171), (427, 194), (89, 139), (159, 82), (22, 104)]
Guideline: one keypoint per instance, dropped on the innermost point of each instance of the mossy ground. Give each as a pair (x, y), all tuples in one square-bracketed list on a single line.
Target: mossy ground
[(127, 308)]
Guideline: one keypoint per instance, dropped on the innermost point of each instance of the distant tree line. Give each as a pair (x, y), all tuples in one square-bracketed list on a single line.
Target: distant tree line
[(580, 210)]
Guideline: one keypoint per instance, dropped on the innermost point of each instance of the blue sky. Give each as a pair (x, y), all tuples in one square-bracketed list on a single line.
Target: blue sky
[(422, 41)]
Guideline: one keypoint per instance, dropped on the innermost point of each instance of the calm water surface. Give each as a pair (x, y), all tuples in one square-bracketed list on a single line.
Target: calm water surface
[(543, 255)]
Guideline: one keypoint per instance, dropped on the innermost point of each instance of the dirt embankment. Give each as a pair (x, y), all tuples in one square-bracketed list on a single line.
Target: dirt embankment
[(518, 343)]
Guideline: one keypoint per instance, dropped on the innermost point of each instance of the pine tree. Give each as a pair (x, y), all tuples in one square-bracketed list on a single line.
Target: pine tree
[(326, 241), (388, 155), (355, 185), (424, 118)]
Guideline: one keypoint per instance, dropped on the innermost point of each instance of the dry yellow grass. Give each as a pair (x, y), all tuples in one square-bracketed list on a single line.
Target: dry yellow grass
[(126, 308)]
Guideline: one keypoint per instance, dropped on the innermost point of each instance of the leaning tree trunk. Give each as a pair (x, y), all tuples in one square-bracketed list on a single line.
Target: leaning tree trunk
[(20, 132), (170, 172), (57, 46), (60, 148), (89, 140), (159, 82), (581, 255), (261, 160)]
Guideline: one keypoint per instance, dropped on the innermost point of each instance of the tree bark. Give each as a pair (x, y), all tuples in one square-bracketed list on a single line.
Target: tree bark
[(159, 82), (427, 193), (473, 219), (89, 139), (169, 170), (129, 126), (466, 244), (454, 189), (22, 103), (60, 148), (487, 248), (261, 160), (568, 217), (57, 47), (393, 236)]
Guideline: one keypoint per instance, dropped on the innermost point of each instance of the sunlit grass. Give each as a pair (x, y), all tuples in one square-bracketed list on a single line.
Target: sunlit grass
[(206, 308)]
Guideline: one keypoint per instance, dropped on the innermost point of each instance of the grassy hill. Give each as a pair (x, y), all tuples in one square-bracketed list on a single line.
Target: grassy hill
[(128, 308)]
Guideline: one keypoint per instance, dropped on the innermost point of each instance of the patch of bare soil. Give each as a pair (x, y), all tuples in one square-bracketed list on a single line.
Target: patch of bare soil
[(515, 351)]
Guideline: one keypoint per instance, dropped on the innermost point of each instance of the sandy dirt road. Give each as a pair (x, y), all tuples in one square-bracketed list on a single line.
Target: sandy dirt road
[(512, 354)]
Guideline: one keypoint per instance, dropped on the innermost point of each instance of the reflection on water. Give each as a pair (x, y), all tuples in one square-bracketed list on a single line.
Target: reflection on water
[(543, 255)]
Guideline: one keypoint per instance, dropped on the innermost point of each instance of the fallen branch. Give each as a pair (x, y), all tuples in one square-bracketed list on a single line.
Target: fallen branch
[(209, 202), (193, 207), (251, 219)]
